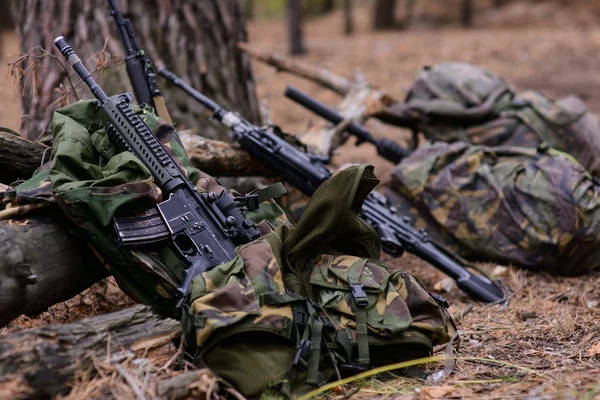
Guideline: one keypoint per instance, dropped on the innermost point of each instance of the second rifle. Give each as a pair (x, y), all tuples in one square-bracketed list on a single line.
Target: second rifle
[(307, 172), (386, 148)]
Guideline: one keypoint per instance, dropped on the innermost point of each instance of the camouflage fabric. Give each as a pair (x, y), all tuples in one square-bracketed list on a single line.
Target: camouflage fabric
[(249, 318), (390, 298), (92, 183), (537, 208), (461, 102), (448, 96)]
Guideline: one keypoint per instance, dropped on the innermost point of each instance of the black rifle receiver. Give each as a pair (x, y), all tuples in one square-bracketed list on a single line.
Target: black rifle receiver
[(139, 67), (307, 172), (386, 148), (201, 228)]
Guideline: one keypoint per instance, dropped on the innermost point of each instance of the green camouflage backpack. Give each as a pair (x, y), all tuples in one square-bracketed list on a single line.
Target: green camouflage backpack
[(93, 183), (537, 208), (460, 102), (304, 305)]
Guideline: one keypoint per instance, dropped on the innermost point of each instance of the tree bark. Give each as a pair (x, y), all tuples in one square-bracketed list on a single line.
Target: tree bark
[(295, 35), (41, 264), (384, 14), (195, 39), (43, 362), (19, 157)]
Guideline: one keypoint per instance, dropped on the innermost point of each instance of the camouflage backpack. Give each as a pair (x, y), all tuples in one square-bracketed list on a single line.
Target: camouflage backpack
[(460, 102), (308, 304), (536, 208), (93, 183)]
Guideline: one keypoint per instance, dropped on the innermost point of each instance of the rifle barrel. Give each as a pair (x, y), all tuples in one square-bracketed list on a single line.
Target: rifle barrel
[(386, 148)]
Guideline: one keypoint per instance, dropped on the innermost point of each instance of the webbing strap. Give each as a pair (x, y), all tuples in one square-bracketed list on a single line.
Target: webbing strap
[(253, 199), (270, 298), (312, 372), (342, 337), (362, 337), (361, 301)]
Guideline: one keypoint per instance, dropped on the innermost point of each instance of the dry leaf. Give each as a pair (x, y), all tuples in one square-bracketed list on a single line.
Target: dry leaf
[(446, 285), (499, 271), (435, 392), (595, 350)]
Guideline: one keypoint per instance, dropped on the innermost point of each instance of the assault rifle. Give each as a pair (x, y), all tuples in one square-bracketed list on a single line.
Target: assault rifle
[(201, 228), (386, 148), (139, 68), (307, 172)]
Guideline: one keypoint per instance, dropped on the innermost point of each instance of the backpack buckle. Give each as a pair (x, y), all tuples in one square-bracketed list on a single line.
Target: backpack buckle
[(359, 294), (302, 356), (440, 300), (250, 201)]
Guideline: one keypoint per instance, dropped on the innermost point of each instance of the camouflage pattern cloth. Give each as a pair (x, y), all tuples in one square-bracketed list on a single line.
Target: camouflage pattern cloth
[(92, 183), (536, 208), (460, 102), (289, 296)]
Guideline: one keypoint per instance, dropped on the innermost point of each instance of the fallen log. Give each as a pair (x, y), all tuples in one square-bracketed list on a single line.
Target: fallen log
[(20, 157), (41, 264), (221, 159), (43, 362), (361, 99)]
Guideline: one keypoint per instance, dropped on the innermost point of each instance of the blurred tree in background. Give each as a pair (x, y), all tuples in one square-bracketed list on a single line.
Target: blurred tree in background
[(195, 39), (294, 13), (384, 14)]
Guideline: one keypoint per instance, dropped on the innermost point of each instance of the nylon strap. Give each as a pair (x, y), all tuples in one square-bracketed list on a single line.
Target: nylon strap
[(342, 337), (316, 330), (361, 301), (253, 199), (270, 299)]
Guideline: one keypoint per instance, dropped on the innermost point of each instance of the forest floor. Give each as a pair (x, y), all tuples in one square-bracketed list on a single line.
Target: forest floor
[(545, 341)]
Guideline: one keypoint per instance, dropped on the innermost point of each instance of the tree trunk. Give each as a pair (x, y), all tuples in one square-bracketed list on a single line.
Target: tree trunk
[(384, 14), (328, 6), (6, 17), (43, 362), (466, 15), (19, 157), (348, 22), (296, 40), (195, 39), (41, 264), (249, 9)]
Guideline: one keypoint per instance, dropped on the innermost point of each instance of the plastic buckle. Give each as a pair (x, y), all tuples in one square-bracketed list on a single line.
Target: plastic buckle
[(300, 317), (303, 353), (440, 300), (352, 369), (250, 201), (359, 294)]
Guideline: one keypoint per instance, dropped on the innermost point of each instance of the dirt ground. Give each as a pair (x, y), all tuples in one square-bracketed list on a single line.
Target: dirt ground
[(545, 341)]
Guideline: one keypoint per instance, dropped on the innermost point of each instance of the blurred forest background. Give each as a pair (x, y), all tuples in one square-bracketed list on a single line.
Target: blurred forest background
[(548, 45)]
